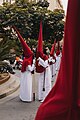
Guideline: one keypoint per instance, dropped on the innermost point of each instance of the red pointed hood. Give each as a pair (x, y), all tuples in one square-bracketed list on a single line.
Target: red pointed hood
[(39, 52), (58, 49), (63, 101), (27, 52), (40, 43), (40, 40), (26, 49), (53, 49)]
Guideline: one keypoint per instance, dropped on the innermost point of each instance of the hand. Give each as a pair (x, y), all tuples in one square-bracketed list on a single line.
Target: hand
[(39, 64), (53, 60), (50, 59), (38, 59), (33, 61)]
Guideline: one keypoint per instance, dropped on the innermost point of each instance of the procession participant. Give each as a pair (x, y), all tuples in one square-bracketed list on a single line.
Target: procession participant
[(52, 61), (26, 75), (43, 77), (26, 80), (58, 56)]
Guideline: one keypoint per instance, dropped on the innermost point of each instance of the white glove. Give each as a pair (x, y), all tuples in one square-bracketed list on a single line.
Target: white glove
[(50, 59), (38, 58), (33, 61), (53, 60)]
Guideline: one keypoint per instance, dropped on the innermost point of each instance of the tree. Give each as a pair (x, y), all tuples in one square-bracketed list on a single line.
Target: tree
[(26, 17)]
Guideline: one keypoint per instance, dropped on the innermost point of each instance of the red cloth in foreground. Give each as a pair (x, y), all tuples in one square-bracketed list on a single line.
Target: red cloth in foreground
[(63, 102)]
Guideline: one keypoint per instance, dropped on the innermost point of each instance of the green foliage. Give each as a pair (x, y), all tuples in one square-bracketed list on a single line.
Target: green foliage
[(26, 17)]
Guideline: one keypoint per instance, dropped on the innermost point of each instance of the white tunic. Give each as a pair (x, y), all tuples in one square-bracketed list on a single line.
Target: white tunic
[(26, 84), (58, 61), (52, 68), (47, 82)]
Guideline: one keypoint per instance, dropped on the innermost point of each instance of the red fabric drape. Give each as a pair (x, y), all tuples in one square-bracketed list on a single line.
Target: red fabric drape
[(63, 102)]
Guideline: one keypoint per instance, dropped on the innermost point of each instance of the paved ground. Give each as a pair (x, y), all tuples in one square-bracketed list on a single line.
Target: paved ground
[(15, 109), (11, 108)]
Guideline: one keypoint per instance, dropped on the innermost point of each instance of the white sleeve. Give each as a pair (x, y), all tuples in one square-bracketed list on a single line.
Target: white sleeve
[(53, 60), (46, 63), (43, 63), (20, 60), (50, 59), (34, 61), (31, 68), (15, 62)]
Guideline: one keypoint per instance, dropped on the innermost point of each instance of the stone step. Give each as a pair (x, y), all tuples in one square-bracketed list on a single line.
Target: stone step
[(9, 87), (6, 85), (10, 97), (5, 78)]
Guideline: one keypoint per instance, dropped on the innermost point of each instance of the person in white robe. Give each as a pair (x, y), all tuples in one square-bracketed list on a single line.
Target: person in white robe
[(43, 76), (52, 63), (58, 56), (58, 61), (44, 79), (27, 67), (26, 84)]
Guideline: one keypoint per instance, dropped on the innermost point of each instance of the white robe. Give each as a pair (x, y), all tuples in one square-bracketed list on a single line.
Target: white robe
[(26, 84), (58, 61), (42, 94), (52, 68)]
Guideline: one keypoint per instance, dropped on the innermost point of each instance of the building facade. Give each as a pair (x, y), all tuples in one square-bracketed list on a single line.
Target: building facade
[(53, 4), (10, 1)]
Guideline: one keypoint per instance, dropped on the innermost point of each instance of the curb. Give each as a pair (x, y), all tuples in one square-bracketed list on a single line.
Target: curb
[(5, 79), (11, 88), (8, 93)]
